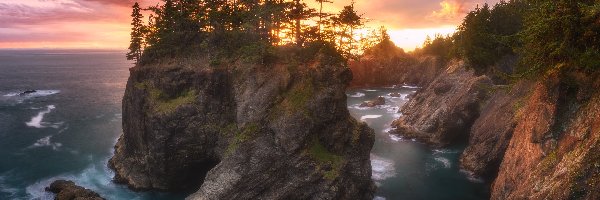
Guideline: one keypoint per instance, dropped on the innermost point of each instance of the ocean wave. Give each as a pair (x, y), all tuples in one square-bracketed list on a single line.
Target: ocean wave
[(357, 95), (36, 121), (34, 93), (371, 90), (471, 176), (95, 177), (444, 151), (45, 142), (379, 198), (411, 87), (396, 138), (363, 118), (382, 168), (444, 161)]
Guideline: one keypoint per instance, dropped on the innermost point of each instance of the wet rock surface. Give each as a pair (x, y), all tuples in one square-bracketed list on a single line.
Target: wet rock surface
[(67, 190), (376, 102)]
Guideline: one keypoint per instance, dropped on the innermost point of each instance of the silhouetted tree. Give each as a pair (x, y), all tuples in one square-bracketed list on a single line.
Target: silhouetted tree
[(137, 44)]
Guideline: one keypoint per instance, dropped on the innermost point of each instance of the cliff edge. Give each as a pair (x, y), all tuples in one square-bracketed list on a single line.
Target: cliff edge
[(243, 131)]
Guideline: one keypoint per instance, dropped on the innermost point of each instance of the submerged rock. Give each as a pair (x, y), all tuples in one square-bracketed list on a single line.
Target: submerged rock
[(377, 102), (67, 190), (28, 92), (243, 132)]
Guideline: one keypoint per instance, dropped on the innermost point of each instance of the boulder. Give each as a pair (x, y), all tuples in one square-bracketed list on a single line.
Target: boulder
[(67, 190), (376, 102)]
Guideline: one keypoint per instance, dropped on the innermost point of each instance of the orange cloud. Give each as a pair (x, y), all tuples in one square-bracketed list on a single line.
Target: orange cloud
[(450, 11)]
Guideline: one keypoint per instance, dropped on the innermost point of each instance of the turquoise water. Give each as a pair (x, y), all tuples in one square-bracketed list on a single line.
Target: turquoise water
[(406, 169), (67, 129)]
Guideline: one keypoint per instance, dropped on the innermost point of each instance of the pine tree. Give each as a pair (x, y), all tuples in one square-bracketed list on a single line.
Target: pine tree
[(137, 35)]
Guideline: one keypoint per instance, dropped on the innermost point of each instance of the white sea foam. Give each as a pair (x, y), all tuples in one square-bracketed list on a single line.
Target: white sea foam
[(411, 87), (397, 115), (443, 161), (363, 118), (96, 177), (471, 176), (371, 90), (357, 95), (444, 151), (379, 198), (382, 168), (36, 121), (396, 138), (46, 142)]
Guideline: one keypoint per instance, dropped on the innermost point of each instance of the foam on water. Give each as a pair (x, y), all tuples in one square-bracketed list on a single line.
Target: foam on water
[(96, 178), (363, 118), (444, 161), (371, 90), (379, 198), (396, 137), (410, 87), (45, 142), (36, 121), (382, 168), (357, 95), (471, 176)]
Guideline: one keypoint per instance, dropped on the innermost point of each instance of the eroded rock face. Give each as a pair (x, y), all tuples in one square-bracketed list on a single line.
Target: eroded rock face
[(443, 112), (243, 132), (492, 131), (67, 190), (553, 153)]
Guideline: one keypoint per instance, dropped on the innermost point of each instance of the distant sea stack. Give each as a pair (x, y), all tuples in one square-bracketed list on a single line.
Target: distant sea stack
[(243, 131)]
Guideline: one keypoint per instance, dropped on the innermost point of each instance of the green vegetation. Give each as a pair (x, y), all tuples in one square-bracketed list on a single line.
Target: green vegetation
[(328, 162), (547, 36), (241, 135), (164, 104)]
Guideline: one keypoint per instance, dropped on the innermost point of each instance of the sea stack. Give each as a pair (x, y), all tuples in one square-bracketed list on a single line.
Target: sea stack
[(244, 131)]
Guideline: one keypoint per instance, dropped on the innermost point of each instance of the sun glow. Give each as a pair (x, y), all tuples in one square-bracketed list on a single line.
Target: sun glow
[(410, 39)]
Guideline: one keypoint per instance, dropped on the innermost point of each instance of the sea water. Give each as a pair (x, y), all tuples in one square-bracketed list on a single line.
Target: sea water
[(67, 128), (404, 168)]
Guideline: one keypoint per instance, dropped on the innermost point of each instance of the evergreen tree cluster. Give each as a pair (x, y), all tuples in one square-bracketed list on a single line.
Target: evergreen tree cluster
[(230, 28), (543, 34)]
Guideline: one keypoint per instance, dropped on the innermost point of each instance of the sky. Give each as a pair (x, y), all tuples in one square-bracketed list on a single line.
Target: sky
[(105, 24)]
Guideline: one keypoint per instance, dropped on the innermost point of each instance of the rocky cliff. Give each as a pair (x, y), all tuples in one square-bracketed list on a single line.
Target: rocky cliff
[(243, 131), (533, 139), (442, 113), (553, 153)]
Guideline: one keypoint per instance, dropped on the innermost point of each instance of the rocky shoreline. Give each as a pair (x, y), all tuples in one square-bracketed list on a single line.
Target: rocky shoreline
[(533, 139)]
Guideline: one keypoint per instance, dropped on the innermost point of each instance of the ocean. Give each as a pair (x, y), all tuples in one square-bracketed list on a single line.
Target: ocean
[(67, 128), (60, 116)]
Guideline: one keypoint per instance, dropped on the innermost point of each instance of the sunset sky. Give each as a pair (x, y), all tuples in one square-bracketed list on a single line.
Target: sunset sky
[(104, 24)]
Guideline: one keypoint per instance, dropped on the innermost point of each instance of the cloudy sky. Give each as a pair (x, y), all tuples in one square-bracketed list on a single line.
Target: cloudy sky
[(104, 24)]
